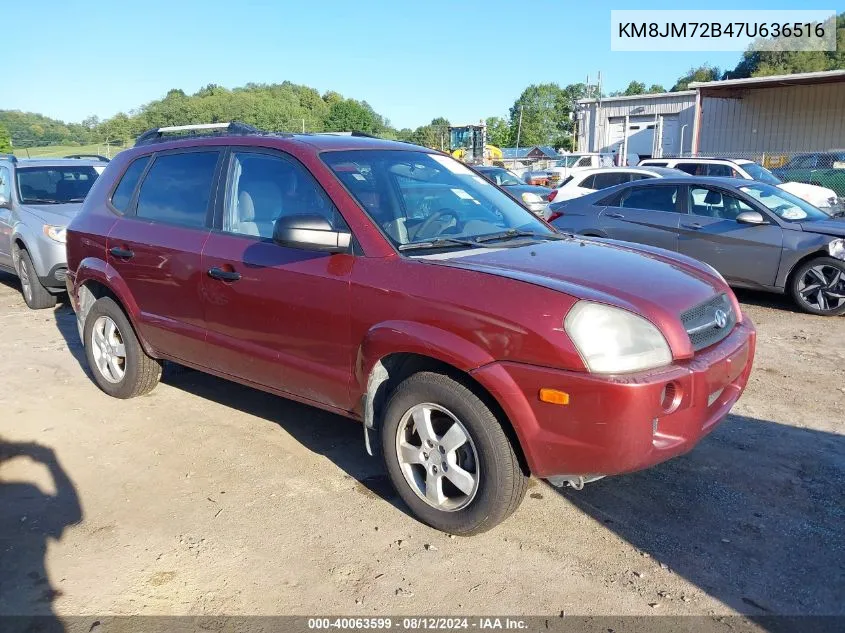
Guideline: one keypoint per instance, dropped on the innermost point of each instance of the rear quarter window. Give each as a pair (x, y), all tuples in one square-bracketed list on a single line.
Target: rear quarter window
[(122, 195)]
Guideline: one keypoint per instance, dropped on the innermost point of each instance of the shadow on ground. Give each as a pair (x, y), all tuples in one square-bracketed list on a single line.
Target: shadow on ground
[(754, 516), (30, 518)]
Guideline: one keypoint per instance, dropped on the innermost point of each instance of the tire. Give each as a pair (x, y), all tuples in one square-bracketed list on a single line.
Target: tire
[(486, 456), (36, 296), (127, 376), (824, 300)]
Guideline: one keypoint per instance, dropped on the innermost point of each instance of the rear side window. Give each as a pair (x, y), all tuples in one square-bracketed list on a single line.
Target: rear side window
[(177, 188), (720, 171), (657, 198), (588, 182), (122, 195), (603, 181), (693, 169)]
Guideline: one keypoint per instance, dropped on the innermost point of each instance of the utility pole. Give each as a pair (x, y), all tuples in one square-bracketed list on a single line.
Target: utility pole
[(518, 132)]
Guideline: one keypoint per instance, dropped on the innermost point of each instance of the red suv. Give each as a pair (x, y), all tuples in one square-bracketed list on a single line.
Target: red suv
[(392, 284)]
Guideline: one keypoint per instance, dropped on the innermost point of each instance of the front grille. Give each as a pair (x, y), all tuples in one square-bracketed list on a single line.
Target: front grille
[(702, 325)]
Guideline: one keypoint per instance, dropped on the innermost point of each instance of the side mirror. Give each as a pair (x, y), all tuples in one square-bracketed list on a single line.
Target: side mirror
[(5, 203), (310, 232), (751, 217)]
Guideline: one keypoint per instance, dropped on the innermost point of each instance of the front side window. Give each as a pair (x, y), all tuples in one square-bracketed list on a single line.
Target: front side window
[(54, 185), (177, 188), (658, 198), (784, 204), (417, 197), (265, 187), (714, 203), (720, 171), (122, 195)]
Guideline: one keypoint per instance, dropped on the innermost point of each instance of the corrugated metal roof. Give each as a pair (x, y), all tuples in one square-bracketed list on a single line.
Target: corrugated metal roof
[(822, 76), (653, 95)]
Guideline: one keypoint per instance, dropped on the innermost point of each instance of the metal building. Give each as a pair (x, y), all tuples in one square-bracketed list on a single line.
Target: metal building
[(752, 118), (775, 114), (652, 125)]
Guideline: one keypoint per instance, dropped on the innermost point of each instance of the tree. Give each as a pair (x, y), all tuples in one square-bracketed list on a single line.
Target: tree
[(655, 89), (351, 116), (434, 135), (5, 140), (546, 110), (634, 88), (498, 131), (702, 73)]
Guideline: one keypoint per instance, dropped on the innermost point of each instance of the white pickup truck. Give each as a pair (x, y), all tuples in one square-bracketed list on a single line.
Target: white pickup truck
[(561, 169)]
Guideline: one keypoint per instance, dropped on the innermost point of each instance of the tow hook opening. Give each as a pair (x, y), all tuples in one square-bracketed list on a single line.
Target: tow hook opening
[(573, 481)]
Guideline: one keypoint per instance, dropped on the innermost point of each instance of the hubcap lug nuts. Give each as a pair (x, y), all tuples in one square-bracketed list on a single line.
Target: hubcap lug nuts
[(442, 450), (444, 466)]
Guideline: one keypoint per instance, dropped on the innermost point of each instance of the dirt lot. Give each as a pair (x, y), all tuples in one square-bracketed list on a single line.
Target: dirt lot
[(205, 497)]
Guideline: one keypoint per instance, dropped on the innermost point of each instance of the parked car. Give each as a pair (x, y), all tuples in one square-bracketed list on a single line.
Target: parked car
[(824, 169), (532, 196), (570, 163), (755, 234), (391, 284), (821, 197), (38, 197), (589, 180)]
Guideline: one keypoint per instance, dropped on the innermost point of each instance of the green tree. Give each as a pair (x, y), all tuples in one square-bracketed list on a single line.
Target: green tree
[(498, 131), (655, 89), (5, 140), (351, 116), (545, 110), (702, 73), (634, 88)]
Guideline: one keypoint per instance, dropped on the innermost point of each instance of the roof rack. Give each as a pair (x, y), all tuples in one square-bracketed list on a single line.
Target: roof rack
[(99, 157), (160, 134), (9, 157)]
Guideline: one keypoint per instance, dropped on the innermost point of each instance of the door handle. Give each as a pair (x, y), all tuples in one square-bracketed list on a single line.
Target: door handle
[(695, 226), (618, 216), (224, 275), (121, 253)]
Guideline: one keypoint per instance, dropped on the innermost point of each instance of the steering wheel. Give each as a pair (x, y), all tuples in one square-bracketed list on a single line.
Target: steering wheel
[(421, 230)]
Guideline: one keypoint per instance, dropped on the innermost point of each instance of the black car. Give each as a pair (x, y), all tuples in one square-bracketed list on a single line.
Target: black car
[(755, 234), (532, 196)]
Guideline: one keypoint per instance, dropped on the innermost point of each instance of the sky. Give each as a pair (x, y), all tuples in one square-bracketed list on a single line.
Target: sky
[(412, 61)]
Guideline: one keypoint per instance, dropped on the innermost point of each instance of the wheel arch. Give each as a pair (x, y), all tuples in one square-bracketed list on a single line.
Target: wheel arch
[(388, 372), (790, 274)]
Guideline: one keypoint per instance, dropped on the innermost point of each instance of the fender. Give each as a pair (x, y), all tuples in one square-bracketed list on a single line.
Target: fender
[(95, 269), (391, 337), (22, 232)]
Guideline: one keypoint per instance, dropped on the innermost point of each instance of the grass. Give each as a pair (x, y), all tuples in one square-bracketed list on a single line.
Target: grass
[(57, 151)]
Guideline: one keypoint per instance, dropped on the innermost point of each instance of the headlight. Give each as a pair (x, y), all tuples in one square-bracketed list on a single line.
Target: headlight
[(611, 340), (531, 198), (831, 202), (837, 249), (56, 233)]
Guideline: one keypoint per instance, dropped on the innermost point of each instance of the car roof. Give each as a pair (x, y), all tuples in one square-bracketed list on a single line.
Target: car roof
[(58, 162), (715, 181), (697, 159), (645, 169)]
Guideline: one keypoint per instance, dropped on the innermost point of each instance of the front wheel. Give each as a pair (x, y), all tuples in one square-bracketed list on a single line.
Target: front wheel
[(448, 456), (37, 297), (818, 286)]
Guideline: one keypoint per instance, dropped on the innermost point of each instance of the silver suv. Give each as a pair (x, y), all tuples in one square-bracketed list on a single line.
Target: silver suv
[(38, 198)]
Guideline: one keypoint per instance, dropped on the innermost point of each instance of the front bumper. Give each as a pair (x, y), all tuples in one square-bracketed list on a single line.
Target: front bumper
[(618, 424)]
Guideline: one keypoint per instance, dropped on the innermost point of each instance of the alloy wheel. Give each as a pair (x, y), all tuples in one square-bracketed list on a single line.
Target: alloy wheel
[(437, 457), (108, 349), (823, 287)]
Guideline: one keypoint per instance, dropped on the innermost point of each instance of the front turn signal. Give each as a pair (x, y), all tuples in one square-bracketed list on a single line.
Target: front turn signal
[(554, 396)]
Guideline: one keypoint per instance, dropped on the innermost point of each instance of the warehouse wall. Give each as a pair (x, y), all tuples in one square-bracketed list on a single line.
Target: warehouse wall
[(780, 119)]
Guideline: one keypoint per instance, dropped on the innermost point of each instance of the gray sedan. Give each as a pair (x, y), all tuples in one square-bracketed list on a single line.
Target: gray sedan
[(754, 234)]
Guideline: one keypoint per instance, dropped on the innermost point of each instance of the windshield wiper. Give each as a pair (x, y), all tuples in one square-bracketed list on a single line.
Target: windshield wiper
[(41, 201), (513, 234), (440, 242), (76, 200)]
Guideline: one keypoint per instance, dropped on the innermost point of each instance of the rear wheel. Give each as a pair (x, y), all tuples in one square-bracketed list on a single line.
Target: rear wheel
[(818, 286), (34, 293), (448, 456), (120, 366)]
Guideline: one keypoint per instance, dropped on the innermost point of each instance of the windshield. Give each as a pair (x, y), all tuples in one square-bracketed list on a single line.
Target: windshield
[(54, 185), (416, 197), (503, 177), (761, 173), (783, 204)]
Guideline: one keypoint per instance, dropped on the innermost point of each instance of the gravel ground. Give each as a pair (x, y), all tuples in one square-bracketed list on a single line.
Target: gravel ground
[(206, 497)]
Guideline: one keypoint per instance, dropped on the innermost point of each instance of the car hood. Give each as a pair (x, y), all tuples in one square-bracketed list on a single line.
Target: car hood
[(58, 214), (815, 195), (649, 281), (835, 227)]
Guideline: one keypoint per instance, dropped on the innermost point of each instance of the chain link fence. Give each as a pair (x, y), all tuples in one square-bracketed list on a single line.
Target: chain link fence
[(825, 168)]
